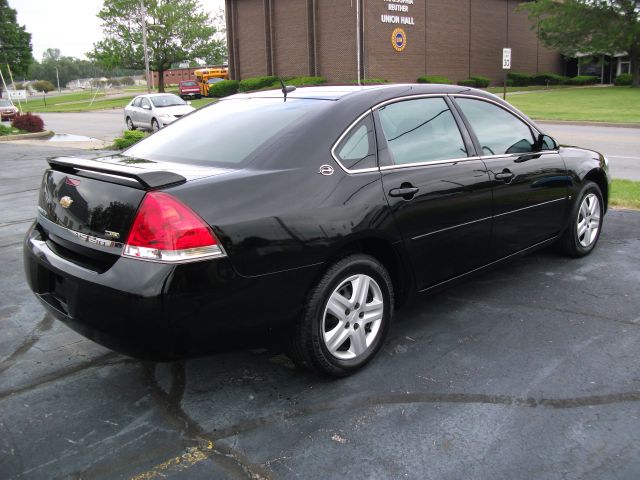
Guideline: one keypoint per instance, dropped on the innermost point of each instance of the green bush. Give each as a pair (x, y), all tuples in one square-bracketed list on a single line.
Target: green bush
[(127, 81), (224, 88), (623, 79), (549, 79), (583, 80), (481, 82), (370, 81), (128, 138), (28, 122), (520, 79), (300, 81), (5, 130), (257, 83), (467, 82), (434, 79)]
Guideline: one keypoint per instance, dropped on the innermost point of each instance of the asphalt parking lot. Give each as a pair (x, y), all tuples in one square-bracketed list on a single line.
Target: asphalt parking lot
[(529, 371)]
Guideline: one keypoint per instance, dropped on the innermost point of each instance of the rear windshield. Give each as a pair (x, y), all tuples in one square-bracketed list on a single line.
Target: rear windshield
[(227, 133), (167, 101), (5, 103), (189, 84)]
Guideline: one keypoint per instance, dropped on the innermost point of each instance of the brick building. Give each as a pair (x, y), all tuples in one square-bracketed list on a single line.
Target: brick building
[(175, 75), (401, 39)]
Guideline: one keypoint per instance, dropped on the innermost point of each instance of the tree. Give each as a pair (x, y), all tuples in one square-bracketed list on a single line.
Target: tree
[(43, 86), (177, 31), (590, 26), (15, 44)]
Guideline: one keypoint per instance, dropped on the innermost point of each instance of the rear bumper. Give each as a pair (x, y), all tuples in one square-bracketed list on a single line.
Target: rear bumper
[(158, 311), (190, 94)]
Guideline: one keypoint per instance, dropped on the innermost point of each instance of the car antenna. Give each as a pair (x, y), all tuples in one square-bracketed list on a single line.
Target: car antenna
[(286, 88)]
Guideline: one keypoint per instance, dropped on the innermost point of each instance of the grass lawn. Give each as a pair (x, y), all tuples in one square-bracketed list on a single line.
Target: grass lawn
[(598, 104), (75, 102), (625, 194)]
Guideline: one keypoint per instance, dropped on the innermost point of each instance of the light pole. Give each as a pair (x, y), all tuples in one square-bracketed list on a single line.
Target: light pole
[(144, 42), (57, 79)]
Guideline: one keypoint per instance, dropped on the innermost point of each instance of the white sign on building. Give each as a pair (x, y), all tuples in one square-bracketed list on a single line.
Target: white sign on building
[(506, 58)]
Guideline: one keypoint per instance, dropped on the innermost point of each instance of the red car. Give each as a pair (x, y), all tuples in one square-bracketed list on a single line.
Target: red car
[(189, 88), (7, 110)]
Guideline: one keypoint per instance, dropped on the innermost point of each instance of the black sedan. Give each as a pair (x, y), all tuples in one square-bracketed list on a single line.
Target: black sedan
[(308, 215)]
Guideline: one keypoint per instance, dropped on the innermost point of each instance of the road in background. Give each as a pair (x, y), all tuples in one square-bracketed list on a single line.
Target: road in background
[(620, 145), (101, 124)]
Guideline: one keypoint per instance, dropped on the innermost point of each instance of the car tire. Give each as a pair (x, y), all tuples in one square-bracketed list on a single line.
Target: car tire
[(339, 333), (155, 126), (130, 124), (585, 222)]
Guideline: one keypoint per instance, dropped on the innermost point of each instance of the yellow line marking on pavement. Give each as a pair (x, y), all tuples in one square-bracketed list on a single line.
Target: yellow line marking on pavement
[(188, 459)]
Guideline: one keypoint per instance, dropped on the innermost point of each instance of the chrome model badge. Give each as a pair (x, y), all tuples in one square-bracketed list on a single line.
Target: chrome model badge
[(65, 202), (326, 170)]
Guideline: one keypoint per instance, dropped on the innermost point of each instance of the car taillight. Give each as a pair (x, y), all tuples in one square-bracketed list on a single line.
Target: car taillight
[(166, 230)]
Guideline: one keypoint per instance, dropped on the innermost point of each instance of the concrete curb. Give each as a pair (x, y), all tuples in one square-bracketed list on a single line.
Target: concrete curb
[(27, 136), (589, 124)]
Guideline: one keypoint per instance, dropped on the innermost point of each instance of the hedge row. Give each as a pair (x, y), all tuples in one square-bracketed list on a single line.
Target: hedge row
[(475, 82), (229, 87), (515, 79), (434, 79)]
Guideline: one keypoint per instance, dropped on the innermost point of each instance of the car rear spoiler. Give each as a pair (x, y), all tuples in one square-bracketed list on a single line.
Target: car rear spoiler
[(119, 174)]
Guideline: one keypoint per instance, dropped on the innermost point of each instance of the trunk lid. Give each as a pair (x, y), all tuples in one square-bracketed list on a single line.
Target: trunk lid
[(87, 207)]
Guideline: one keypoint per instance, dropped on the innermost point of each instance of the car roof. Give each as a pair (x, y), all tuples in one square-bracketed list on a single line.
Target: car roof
[(335, 92)]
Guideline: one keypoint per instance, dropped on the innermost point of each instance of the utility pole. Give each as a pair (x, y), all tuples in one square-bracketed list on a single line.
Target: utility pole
[(143, 11), (57, 79)]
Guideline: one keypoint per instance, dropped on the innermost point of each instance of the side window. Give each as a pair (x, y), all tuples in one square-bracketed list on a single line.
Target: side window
[(145, 103), (136, 102), (498, 131), (358, 149), (421, 130)]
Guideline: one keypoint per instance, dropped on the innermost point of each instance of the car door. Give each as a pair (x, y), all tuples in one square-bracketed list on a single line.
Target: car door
[(438, 190), (145, 113), (132, 110), (530, 184)]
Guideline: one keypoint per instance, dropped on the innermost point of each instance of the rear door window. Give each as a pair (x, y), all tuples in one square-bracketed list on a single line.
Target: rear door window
[(498, 131), (421, 131)]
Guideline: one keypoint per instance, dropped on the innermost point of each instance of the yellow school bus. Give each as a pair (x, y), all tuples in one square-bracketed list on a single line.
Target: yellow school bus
[(210, 75)]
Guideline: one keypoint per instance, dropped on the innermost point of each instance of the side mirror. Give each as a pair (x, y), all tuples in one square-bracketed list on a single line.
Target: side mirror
[(147, 107), (546, 142)]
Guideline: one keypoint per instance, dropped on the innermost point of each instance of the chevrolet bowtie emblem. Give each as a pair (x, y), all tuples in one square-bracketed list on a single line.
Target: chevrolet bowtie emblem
[(65, 202)]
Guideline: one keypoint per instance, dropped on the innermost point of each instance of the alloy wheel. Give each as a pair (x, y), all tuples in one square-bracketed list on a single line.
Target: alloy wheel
[(588, 222), (352, 317)]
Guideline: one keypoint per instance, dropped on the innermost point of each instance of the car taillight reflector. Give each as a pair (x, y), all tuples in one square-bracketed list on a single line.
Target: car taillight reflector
[(166, 230)]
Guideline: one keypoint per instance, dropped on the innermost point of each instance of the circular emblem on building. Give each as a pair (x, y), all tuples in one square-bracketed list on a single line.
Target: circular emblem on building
[(399, 39)]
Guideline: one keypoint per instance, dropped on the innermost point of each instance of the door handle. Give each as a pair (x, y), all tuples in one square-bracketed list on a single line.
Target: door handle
[(506, 175), (406, 192)]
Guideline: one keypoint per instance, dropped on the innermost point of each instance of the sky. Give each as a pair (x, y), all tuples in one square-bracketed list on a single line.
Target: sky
[(70, 25)]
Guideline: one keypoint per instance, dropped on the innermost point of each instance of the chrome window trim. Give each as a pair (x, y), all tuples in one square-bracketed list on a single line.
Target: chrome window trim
[(341, 137), (437, 162), (426, 164)]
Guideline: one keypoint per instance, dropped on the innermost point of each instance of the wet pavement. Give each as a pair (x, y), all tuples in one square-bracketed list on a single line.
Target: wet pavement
[(528, 371)]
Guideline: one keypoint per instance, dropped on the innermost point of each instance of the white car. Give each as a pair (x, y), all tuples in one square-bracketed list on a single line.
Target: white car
[(155, 110)]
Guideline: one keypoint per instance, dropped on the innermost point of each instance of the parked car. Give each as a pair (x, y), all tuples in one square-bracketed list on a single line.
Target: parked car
[(155, 110), (310, 218), (7, 110), (189, 89)]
